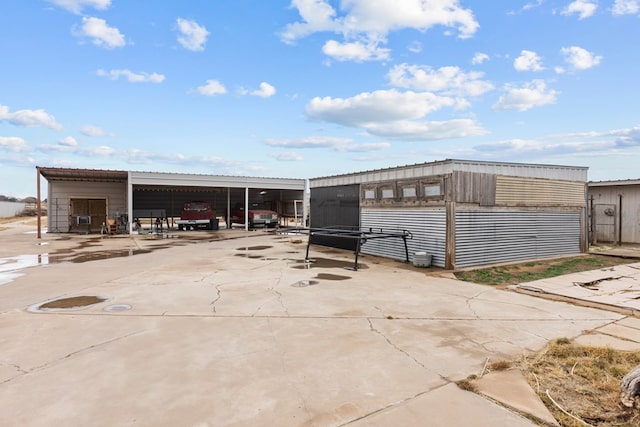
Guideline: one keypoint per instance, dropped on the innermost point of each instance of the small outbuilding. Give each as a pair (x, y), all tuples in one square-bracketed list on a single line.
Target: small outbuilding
[(462, 213), (84, 200), (614, 208)]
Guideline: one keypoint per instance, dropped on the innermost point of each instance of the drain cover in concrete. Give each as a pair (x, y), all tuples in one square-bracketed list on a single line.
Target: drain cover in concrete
[(117, 307)]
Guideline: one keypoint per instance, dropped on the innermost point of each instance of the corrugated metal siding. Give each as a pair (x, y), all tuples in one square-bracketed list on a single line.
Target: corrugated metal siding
[(428, 227), (514, 191), (60, 193), (491, 237)]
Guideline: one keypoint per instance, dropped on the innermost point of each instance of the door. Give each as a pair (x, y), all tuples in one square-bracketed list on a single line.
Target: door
[(87, 215), (604, 223)]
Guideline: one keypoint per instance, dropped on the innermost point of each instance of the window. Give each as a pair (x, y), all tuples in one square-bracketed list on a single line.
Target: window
[(370, 194), (387, 193), (432, 190), (409, 191)]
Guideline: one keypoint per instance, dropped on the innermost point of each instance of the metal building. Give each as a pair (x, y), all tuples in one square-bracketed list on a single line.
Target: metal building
[(82, 200), (463, 213), (614, 208)]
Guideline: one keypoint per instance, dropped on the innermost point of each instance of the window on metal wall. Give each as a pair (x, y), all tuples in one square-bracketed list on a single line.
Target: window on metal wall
[(409, 192), (370, 194), (432, 190), (387, 193)]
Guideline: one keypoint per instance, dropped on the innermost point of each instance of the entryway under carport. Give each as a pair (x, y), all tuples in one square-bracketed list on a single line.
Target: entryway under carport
[(163, 195), (119, 195)]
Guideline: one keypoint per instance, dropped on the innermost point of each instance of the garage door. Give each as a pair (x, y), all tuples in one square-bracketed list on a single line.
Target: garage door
[(87, 215)]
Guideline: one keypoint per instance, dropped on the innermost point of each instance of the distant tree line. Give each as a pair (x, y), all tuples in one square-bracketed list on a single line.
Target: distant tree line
[(4, 198)]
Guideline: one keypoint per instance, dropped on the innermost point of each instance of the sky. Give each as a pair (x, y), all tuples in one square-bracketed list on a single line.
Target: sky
[(313, 88)]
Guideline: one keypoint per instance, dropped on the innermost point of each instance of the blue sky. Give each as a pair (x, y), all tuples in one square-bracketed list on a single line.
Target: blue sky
[(309, 88)]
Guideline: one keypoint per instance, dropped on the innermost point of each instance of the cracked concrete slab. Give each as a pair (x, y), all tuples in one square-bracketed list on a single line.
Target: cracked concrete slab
[(612, 287), (453, 407), (220, 339), (511, 388)]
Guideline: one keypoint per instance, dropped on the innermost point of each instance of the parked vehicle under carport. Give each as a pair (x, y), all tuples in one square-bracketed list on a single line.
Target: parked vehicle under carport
[(259, 216)]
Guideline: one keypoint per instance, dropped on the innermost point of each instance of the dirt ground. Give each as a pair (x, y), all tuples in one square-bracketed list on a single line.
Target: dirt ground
[(581, 385)]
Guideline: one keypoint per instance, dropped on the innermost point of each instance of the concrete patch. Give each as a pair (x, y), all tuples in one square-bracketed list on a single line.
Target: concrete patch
[(511, 389), (445, 407), (601, 340)]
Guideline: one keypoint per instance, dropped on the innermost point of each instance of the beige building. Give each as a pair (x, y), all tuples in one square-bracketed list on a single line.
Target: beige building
[(614, 209)]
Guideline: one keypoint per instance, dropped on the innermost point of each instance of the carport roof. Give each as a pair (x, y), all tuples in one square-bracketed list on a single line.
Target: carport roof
[(195, 180), (163, 179), (71, 174)]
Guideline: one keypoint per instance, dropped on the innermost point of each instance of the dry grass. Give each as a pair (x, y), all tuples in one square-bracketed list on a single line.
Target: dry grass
[(505, 275), (499, 365), (584, 381)]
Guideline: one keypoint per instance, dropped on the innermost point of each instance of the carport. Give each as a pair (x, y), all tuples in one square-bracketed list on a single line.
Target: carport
[(80, 200)]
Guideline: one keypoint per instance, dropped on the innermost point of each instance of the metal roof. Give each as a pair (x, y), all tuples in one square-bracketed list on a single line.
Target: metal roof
[(195, 180), (71, 174), (419, 170), (614, 183), (164, 179)]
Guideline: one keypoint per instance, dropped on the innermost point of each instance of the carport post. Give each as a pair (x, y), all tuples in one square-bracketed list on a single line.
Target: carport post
[(228, 219), (129, 203), (246, 209), (38, 203)]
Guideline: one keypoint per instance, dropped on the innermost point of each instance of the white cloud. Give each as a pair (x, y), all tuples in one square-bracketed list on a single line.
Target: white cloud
[(427, 130), (102, 151), (289, 156), (584, 8), (365, 147), (355, 51), (626, 7), (532, 94), (102, 35), (68, 141), (309, 142), (393, 114), (607, 143), (131, 76), (93, 131), (29, 118), (528, 61), (378, 106), (212, 88), (579, 58), (449, 80), (265, 91), (192, 35), (76, 6), (479, 58), (70, 146), (415, 47), (371, 21), (317, 15), (334, 143), (13, 143)]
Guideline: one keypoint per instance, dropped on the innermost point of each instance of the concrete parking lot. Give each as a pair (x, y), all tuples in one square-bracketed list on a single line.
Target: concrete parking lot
[(235, 329)]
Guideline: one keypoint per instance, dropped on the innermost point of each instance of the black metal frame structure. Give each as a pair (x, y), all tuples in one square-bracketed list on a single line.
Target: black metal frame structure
[(357, 237)]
